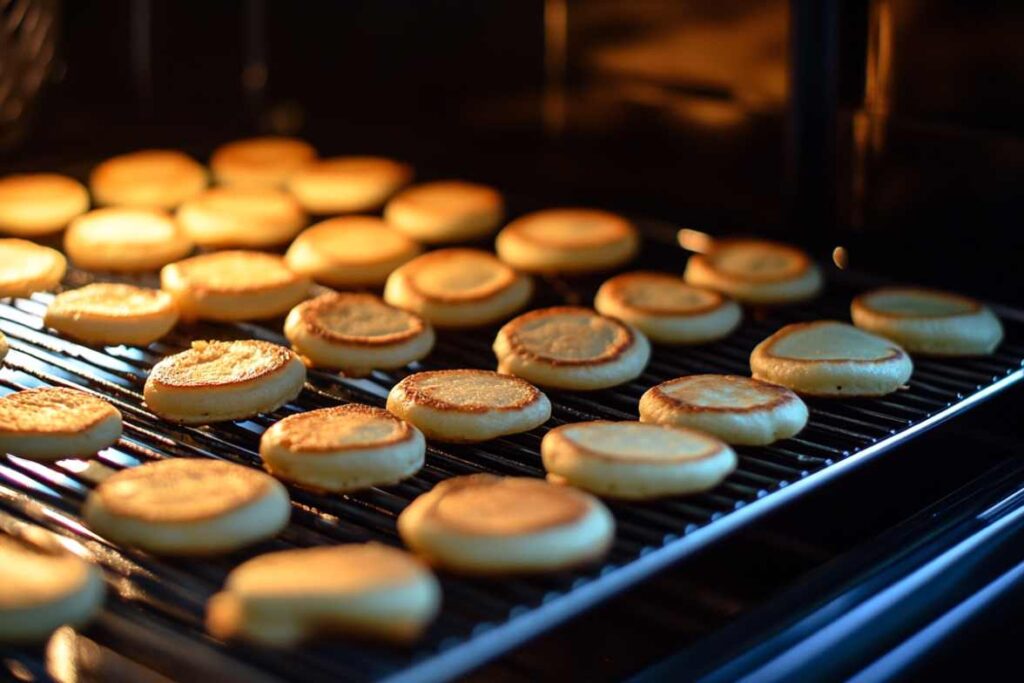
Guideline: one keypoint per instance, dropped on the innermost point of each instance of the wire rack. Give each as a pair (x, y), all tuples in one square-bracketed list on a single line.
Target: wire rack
[(154, 613)]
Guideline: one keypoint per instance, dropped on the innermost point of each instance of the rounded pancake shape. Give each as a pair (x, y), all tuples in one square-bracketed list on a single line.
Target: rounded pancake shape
[(233, 285), (26, 267), (343, 448), (54, 423), (241, 217), (755, 271), (188, 506), (666, 309), (123, 239), (44, 590), (34, 204), (569, 347), (260, 162), (928, 321), (367, 589), (357, 333), (458, 288), (348, 184), (156, 178), (353, 251), (109, 313), (634, 460), (568, 241), (465, 406), (830, 358), (217, 380), (446, 211), (485, 524), (738, 410)]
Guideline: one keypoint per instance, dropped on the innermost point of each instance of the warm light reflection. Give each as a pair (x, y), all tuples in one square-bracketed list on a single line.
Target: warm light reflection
[(841, 257), (695, 240)]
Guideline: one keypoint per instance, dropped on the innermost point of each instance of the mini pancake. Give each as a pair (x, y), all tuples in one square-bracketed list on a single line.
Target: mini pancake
[(485, 524), (108, 313), (365, 589), (354, 251), (446, 211), (464, 406), (218, 380), (154, 178), (26, 267), (233, 285), (43, 591), (568, 347), (348, 184), (36, 204), (458, 288), (54, 423), (124, 239), (241, 217), (343, 448), (188, 506), (633, 460), (738, 410), (929, 322), (357, 333), (668, 310), (830, 358), (568, 241), (260, 162), (755, 271)]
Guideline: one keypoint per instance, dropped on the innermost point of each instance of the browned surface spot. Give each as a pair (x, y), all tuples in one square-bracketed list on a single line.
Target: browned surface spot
[(220, 363), (722, 394), (52, 411), (661, 294), (339, 428), (468, 391), (567, 336), (751, 260), (358, 318), (111, 300)]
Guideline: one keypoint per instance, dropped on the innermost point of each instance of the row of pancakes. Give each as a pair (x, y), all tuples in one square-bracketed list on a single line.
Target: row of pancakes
[(480, 523)]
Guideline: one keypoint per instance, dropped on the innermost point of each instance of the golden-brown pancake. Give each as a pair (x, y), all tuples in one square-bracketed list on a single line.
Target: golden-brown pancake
[(348, 184), (755, 271), (155, 178), (285, 597), (353, 251), (219, 380), (26, 267), (53, 423), (568, 241), (260, 162), (124, 239), (109, 313), (446, 211), (248, 217), (458, 288), (485, 524), (468, 405), (33, 204)]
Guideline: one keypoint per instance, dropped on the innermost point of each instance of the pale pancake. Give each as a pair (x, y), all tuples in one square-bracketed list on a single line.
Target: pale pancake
[(830, 358), (928, 321), (343, 448), (666, 309), (755, 271), (285, 597), (738, 410), (568, 241), (458, 288), (353, 251), (54, 423), (468, 405), (26, 267), (571, 348), (241, 217), (348, 184), (125, 240), (233, 285), (446, 211), (109, 313), (260, 162), (44, 590), (153, 178), (634, 460), (357, 333), (35, 204), (218, 380), (493, 525), (188, 506)]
